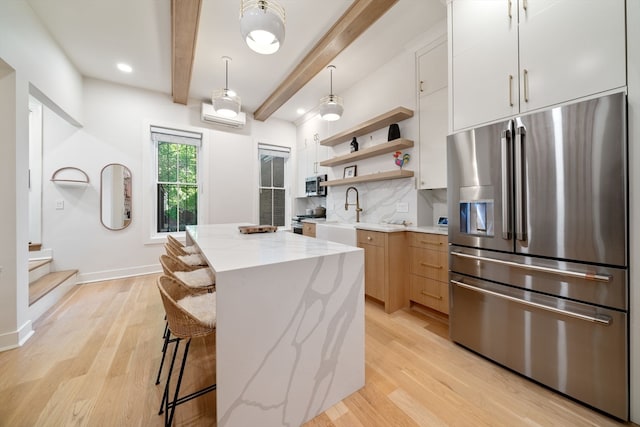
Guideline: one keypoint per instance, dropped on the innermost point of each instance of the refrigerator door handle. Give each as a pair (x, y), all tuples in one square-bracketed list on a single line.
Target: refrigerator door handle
[(519, 181), (602, 319), (505, 142), (576, 274)]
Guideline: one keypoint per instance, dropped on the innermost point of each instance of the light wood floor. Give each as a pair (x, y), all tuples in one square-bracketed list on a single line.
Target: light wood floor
[(93, 360)]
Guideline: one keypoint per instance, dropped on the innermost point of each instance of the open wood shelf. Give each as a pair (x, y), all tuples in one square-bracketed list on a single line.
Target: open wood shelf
[(393, 116), (387, 147), (77, 176), (380, 176)]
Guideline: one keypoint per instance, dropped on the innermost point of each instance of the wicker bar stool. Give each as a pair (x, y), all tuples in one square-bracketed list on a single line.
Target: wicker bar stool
[(189, 316), (188, 250), (198, 281), (194, 260)]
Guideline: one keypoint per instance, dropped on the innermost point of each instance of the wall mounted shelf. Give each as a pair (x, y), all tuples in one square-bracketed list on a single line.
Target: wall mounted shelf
[(396, 115), (387, 147), (77, 176), (380, 176)]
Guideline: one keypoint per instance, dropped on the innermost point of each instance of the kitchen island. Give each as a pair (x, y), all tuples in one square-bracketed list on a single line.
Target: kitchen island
[(290, 324)]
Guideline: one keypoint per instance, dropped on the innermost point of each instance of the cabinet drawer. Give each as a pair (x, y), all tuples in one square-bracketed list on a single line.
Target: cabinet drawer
[(429, 263), (437, 242), (308, 229), (375, 238), (430, 293)]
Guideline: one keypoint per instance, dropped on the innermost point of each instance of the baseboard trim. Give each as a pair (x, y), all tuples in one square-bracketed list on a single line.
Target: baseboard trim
[(16, 338), (100, 276)]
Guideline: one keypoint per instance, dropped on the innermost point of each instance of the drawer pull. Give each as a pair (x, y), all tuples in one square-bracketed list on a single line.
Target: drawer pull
[(424, 264), (369, 238), (425, 242), (434, 296)]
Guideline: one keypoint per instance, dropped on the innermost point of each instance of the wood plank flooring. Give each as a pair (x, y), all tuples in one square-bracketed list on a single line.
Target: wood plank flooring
[(94, 357)]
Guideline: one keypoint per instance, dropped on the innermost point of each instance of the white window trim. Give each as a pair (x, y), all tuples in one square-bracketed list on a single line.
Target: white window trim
[(151, 236), (287, 181)]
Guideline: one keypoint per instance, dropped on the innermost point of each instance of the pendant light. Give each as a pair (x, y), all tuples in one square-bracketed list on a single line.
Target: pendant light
[(262, 25), (331, 106), (225, 102)]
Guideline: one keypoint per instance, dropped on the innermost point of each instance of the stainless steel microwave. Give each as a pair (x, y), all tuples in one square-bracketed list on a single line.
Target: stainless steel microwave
[(313, 187)]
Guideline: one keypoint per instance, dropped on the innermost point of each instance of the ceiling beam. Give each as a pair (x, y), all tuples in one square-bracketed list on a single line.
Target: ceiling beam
[(185, 15), (355, 21)]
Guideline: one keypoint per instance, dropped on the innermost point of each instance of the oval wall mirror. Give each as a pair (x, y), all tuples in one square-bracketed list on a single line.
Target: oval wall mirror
[(115, 196)]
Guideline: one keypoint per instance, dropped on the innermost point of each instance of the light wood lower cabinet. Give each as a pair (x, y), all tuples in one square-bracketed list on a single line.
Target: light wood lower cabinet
[(385, 267), (429, 271), (308, 229)]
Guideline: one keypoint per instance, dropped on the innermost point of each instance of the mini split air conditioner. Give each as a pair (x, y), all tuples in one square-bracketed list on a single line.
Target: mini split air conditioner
[(209, 115)]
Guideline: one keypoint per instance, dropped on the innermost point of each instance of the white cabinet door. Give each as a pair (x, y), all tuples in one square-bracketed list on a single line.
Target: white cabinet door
[(570, 49), (433, 140), (302, 165), (433, 110), (484, 61), (432, 68)]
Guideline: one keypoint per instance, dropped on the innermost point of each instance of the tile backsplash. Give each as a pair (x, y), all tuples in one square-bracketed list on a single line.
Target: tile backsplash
[(379, 202)]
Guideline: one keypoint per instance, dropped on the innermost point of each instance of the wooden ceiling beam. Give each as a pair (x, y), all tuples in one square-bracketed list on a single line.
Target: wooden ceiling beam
[(185, 16), (355, 21)]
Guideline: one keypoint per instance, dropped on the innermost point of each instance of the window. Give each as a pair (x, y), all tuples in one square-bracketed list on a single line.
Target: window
[(272, 190), (176, 178)]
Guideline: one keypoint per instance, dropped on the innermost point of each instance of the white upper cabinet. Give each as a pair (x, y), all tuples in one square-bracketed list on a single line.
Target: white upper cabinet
[(570, 49), (484, 43), (433, 110), (514, 56)]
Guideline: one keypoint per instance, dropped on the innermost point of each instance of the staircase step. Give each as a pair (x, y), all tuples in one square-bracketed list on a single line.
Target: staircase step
[(34, 246), (47, 283), (36, 263)]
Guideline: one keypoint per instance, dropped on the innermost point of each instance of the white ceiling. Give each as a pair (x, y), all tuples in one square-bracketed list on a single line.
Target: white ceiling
[(96, 34)]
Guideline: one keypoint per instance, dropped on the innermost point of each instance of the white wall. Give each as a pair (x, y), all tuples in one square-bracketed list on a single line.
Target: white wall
[(114, 132), (26, 45), (36, 65), (35, 171)]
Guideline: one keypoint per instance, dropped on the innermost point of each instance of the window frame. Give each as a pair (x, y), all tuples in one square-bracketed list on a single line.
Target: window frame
[(150, 168), (280, 151)]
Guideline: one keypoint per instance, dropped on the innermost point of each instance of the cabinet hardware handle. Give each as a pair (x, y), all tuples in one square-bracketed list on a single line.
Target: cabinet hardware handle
[(509, 8), (524, 4), (526, 85), (424, 264), (424, 242), (421, 86), (369, 238), (510, 90), (427, 294)]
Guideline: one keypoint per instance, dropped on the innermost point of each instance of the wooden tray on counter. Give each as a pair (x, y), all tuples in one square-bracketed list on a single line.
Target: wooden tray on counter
[(250, 229)]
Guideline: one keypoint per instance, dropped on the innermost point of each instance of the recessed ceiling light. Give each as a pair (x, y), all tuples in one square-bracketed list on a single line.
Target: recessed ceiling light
[(301, 111), (125, 68)]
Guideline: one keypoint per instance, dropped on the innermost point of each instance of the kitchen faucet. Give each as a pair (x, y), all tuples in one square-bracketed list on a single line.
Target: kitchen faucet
[(357, 204)]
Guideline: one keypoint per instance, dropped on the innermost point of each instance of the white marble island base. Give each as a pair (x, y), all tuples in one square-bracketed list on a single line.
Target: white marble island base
[(290, 324)]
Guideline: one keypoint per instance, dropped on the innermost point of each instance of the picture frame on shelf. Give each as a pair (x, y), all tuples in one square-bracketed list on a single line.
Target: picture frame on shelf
[(350, 171)]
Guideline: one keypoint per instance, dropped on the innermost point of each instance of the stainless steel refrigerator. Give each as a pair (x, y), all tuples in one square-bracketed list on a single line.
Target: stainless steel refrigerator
[(538, 233)]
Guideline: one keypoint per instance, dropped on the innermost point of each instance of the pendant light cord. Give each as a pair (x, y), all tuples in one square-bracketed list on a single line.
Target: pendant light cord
[(226, 74)]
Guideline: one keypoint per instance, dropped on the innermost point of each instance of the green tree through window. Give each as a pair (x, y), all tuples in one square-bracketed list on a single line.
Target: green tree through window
[(177, 186)]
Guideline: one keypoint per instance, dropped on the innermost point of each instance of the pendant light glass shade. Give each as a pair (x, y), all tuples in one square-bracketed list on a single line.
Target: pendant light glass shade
[(262, 25), (331, 108), (226, 102)]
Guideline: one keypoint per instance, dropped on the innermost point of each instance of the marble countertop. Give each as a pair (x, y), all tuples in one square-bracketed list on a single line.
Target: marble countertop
[(226, 249), (385, 228)]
